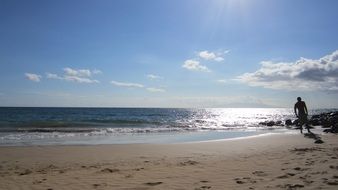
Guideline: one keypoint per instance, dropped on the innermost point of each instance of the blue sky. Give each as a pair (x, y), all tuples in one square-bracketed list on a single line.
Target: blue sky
[(178, 53)]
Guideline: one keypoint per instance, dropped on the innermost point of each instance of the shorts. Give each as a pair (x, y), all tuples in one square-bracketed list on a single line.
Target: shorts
[(303, 119)]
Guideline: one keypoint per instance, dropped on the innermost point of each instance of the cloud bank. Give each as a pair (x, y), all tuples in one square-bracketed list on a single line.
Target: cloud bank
[(33, 77), (153, 77), (79, 76), (301, 75), (137, 85), (156, 90), (127, 84)]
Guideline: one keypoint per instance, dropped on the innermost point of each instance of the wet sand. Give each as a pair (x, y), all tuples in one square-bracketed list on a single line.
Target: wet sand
[(279, 161)]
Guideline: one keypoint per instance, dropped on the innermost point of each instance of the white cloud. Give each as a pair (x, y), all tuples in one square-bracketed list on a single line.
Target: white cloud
[(153, 77), (206, 55), (79, 76), (33, 77), (156, 89), (53, 76), (219, 59), (78, 73), (195, 66), (127, 84), (301, 75), (80, 79), (223, 81), (96, 71)]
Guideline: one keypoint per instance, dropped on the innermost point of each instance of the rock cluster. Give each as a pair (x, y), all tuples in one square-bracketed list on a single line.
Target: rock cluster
[(272, 123), (328, 120)]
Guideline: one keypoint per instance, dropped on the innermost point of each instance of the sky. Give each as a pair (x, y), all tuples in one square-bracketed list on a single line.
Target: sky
[(160, 53)]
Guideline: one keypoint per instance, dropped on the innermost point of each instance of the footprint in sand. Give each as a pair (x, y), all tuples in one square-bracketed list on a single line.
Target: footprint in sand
[(300, 169), (37, 181), (26, 172), (291, 186), (108, 170), (308, 181), (244, 180), (138, 169), (309, 163), (287, 175), (332, 182), (334, 167), (282, 176), (153, 183), (96, 185), (259, 173), (188, 163), (203, 187), (204, 181)]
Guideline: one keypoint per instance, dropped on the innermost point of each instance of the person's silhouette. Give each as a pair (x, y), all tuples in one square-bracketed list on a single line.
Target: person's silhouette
[(302, 114)]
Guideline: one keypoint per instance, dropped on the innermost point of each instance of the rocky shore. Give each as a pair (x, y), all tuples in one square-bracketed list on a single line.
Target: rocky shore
[(328, 121)]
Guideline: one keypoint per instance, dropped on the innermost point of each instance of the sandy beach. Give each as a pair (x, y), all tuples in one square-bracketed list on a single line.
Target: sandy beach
[(279, 161)]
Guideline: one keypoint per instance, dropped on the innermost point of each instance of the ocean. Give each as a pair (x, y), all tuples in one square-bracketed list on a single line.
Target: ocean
[(66, 126)]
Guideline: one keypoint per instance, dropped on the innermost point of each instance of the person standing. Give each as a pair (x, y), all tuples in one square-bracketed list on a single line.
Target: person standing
[(302, 114)]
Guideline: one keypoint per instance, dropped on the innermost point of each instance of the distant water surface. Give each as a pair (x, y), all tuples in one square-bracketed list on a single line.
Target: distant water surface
[(30, 126)]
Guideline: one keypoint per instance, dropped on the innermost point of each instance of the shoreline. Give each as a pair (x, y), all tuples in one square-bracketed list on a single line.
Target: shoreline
[(281, 161), (149, 138)]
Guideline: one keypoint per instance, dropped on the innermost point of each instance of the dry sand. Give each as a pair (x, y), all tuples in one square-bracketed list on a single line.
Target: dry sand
[(284, 161)]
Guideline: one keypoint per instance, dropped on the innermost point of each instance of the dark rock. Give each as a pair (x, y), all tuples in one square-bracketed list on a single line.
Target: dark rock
[(315, 117), (333, 129), (288, 122), (327, 131), (279, 123), (334, 119), (326, 123), (296, 122), (267, 123), (314, 122), (326, 120), (270, 123)]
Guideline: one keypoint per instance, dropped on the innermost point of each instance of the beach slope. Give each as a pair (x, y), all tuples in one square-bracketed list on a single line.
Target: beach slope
[(279, 161)]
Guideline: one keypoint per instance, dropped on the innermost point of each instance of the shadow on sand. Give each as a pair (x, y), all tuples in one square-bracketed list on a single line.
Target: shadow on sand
[(314, 136)]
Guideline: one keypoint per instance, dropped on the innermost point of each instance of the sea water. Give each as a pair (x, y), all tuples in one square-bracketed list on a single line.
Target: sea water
[(55, 126)]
